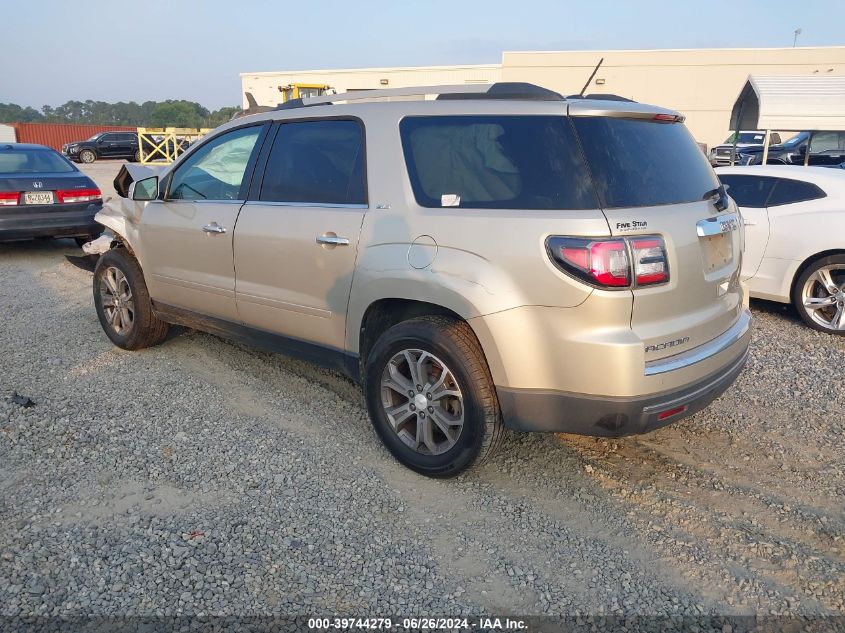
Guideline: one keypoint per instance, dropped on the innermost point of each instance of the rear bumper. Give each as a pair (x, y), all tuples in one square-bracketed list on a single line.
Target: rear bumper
[(16, 225), (561, 412)]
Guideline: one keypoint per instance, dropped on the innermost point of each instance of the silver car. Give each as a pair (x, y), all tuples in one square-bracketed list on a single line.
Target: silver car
[(497, 256)]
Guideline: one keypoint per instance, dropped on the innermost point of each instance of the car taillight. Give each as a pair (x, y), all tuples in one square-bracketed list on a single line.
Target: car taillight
[(78, 195), (650, 265), (9, 198), (612, 262)]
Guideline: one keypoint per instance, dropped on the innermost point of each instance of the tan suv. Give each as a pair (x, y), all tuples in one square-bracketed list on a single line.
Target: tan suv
[(495, 256)]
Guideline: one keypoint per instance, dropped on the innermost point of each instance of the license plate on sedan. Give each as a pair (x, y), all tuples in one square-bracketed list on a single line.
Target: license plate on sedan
[(38, 197)]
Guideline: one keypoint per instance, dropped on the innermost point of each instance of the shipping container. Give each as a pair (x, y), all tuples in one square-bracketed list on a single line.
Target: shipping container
[(57, 134), (7, 134)]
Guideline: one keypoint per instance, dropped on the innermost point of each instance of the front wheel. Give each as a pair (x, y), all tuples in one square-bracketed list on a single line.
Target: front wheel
[(123, 302), (430, 396), (87, 156), (819, 295)]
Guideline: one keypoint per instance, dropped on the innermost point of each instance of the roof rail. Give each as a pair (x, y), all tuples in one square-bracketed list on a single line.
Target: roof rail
[(501, 90)]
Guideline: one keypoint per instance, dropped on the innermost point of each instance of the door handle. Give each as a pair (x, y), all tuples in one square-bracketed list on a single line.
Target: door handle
[(332, 240), (214, 228)]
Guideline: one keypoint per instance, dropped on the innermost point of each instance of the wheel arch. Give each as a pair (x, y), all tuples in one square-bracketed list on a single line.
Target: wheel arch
[(807, 263), (385, 313)]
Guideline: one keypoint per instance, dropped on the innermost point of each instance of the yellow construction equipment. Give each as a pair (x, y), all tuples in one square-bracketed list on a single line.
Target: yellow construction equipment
[(303, 91), (163, 145)]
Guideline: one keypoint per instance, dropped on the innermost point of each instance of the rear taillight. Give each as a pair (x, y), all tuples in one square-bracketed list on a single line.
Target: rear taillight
[(78, 195), (10, 198), (650, 265), (612, 262)]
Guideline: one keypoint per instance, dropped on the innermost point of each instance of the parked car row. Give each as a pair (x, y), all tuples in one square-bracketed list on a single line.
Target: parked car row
[(403, 243), (120, 145), (826, 149)]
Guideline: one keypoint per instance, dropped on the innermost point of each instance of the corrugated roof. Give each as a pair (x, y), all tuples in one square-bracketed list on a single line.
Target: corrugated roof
[(790, 102)]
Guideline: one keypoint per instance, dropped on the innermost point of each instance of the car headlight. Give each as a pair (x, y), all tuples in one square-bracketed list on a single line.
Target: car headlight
[(73, 149)]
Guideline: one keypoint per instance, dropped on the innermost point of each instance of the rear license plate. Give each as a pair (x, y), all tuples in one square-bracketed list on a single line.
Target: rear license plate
[(717, 251), (38, 197)]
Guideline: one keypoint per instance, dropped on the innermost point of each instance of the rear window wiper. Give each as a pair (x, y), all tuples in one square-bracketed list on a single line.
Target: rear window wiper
[(719, 196)]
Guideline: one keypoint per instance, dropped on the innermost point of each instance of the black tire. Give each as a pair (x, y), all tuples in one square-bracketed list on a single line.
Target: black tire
[(146, 329), (87, 156), (812, 317), (454, 342)]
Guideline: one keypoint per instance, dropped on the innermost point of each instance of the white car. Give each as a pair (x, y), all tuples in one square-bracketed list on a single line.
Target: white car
[(794, 221)]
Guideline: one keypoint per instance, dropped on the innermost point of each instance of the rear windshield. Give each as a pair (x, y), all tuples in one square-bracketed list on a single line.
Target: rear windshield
[(639, 162), (29, 161), (496, 162), (536, 162)]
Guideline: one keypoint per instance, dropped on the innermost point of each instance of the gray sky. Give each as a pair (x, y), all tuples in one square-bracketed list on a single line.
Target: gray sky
[(53, 51)]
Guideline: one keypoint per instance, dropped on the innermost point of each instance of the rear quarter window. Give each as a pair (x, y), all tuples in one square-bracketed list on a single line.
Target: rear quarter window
[(495, 162), (748, 191), (640, 162), (788, 191)]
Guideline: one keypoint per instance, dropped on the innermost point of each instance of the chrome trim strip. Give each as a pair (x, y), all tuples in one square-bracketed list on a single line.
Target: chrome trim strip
[(702, 352), (717, 225), (695, 395), (324, 205)]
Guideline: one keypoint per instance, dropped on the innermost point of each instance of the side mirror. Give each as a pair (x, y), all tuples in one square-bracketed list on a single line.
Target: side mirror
[(100, 141), (146, 189), (774, 138)]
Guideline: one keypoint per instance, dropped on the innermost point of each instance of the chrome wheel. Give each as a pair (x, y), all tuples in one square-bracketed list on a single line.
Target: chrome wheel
[(823, 297), (116, 299), (422, 401), (86, 156)]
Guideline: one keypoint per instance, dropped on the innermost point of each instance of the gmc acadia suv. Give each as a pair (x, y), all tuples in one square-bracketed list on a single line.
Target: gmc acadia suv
[(497, 256)]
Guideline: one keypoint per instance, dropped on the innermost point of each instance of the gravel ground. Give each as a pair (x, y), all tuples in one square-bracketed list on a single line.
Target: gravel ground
[(203, 477)]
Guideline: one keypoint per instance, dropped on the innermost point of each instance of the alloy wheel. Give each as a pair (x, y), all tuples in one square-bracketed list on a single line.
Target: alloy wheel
[(823, 297), (422, 401), (116, 298)]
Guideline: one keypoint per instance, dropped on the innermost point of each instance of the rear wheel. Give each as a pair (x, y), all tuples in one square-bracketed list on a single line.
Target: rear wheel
[(137, 156), (87, 156), (431, 397), (819, 295), (123, 302)]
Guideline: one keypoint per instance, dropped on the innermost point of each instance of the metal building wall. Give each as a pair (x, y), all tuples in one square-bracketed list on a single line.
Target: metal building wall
[(264, 85), (703, 84), (57, 134)]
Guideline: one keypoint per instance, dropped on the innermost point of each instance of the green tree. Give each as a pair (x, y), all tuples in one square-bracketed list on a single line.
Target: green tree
[(12, 113)]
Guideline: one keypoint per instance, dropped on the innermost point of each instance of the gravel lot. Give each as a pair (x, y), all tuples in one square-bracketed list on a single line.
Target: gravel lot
[(205, 477)]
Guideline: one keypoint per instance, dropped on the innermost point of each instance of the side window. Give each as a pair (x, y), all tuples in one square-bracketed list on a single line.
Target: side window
[(821, 142), (316, 162), (108, 138), (789, 191), (126, 138), (748, 191), (216, 170), (496, 162)]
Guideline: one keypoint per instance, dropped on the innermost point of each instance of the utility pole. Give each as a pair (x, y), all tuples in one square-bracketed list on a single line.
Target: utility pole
[(795, 34)]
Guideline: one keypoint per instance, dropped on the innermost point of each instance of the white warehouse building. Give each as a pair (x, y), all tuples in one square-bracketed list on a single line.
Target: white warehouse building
[(701, 83)]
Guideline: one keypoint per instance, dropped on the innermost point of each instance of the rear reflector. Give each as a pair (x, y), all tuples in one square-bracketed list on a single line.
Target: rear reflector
[(10, 198), (668, 413), (78, 195)]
